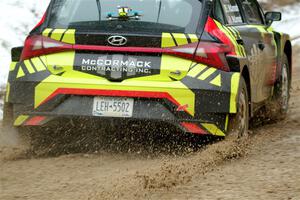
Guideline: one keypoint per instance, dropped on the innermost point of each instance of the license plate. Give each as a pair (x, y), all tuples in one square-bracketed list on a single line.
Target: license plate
[(113, 107)]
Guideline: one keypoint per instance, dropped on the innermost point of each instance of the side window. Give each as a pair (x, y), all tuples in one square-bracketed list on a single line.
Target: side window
[(252, 11), (232, 11), (218, 12)]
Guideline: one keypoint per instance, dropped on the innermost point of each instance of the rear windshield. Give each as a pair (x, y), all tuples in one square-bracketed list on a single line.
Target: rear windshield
[(127, 15)]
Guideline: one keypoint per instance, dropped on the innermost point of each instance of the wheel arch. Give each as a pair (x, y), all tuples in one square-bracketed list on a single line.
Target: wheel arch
[(288, 52), (284, 47), (245, 73)]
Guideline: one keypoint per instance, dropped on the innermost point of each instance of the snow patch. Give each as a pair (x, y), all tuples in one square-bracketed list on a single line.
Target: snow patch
[(17, 19), (290, 22)]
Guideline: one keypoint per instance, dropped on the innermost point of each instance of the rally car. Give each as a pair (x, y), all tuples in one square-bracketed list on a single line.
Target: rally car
[(203, 66)]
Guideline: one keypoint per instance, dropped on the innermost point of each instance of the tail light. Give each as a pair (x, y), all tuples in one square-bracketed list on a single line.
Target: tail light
[(209, 53), (38, 45)]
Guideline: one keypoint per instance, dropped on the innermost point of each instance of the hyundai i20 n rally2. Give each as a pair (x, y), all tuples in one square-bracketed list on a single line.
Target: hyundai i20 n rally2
[(205, 67)]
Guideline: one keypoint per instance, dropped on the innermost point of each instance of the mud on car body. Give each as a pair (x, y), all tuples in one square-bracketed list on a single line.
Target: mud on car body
[(205, 67)]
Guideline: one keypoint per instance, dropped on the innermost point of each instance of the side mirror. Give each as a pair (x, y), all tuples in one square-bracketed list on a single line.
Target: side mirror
[(273, 17)]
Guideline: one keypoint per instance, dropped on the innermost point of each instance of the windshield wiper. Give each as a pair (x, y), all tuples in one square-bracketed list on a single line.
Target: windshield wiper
[(99, 9), (159, 11)]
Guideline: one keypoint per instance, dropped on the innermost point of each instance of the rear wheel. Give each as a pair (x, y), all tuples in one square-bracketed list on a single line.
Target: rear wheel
[(239, 123), (278, 108), (283, 88)]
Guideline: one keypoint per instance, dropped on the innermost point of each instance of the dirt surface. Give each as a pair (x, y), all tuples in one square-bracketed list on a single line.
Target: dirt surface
[(264, 166)]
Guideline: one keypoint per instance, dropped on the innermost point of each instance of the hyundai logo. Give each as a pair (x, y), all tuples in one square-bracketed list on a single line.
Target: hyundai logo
[(117, 40)]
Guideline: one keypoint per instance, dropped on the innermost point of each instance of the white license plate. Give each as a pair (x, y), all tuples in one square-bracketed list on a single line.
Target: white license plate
[(113, 107)]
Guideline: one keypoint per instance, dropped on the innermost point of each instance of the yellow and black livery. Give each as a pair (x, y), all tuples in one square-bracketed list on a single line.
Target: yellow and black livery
[(159, 71)]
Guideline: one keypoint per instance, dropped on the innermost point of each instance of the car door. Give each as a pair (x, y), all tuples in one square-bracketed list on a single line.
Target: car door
[(243, 22), (260, 47)]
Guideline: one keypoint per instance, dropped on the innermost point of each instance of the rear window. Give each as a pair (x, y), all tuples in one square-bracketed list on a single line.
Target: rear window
[(127, 15)]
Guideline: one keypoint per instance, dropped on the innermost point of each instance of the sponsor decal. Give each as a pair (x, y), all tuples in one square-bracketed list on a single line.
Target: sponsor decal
[(117, 66), (256, 60)]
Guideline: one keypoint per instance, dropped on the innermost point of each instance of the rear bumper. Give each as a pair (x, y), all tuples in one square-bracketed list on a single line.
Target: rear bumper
[(150, 110), (199, 103)]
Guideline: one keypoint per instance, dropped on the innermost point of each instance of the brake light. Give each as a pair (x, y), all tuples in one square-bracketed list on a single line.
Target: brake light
[(209, 53), (38, 45), (213, 54)]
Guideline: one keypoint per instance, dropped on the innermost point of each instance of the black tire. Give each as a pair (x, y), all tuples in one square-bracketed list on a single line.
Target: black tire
[(278, 108), (239, 123), (282, 88)]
